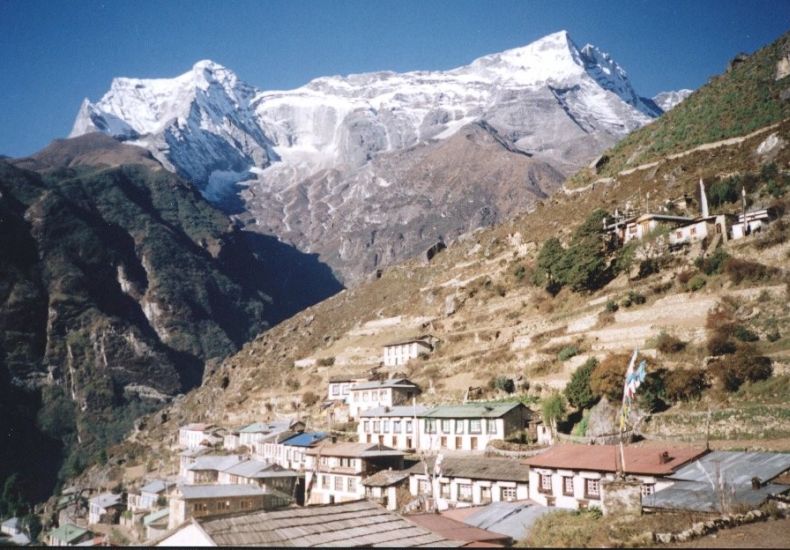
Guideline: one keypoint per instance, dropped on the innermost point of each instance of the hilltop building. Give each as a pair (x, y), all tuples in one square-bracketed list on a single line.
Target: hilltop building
[(193, 436), (401, 352)]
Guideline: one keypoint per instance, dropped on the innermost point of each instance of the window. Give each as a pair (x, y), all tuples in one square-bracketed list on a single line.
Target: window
[(352, 485), (324, 461), (376, 426), (409, 443), (545, 484), (472, 443), (408, 426), (445, 426), (364, 396), (485, 495), (444, 489), (508, 494), (679, 234), (423, 487), (459, 426), (244, 504), (366, 426), (648, 489), (430, 425), (465, 492), (592, 488), (338, 483), (459, 443), (492, 426), (474, 426), (443, 442), (385, 426), (335, 389), (567, 485), (396, 426)]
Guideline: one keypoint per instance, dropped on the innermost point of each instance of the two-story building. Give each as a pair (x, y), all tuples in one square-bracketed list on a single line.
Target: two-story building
[(188, 457), (575, 476), (105, 508), (396, 427), (459, 481), (290, 451), (258, 432), (195, 501), (471, 426), (206, 468), (195, 435), (401, 352), (151, 495), (68, 534), (339, 387), (270, 477), (381, 393), (334, 471)]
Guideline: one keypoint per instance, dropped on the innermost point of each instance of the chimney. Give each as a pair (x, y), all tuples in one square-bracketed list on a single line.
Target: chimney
[(664, 457)]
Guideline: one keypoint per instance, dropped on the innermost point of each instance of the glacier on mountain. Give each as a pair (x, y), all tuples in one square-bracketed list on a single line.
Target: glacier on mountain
[(322, 148)]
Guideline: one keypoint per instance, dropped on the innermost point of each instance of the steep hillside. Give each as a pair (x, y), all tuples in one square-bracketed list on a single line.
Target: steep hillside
[(117, 285), (348, 154)]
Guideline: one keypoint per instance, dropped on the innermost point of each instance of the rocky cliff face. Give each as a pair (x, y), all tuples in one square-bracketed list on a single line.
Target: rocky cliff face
[(338, 151)]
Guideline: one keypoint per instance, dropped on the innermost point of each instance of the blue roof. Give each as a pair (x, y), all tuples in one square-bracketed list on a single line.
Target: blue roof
[(305, 439)]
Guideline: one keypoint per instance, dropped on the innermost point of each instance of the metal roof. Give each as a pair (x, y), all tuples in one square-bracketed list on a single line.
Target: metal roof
[(219, 463), (474, 467), (267, 427), (156, 516), (386, 478), (305, 439), (735, 467), (220, 491), (514, 519), (398, 410), (456, 530), (352, 524), (473, 410), (68, 532), (156, 486), (379, 384), (354, 450), (259, 470), (707, 497), (423, 339), (107, 500)]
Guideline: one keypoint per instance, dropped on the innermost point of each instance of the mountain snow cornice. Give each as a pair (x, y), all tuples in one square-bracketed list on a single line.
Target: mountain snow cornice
[(325, 149)]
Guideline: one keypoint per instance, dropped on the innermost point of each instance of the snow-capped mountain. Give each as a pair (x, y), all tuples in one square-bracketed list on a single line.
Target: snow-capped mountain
[(337, 152), (669, 100)]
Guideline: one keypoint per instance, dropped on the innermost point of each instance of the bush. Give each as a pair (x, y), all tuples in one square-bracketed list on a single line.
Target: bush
[(684, 384), (611, 306), (685, 276), (666, 343), (744, 270), (719, 343), (567, 352), (696, 283), (714, 263), (552, 409), (502, 383), (309, 398), (722, 191), (292, 384), (731, 372), (636, 298), (578, 391), (652, 392), (744, 334), (608, 377), (326, 361)]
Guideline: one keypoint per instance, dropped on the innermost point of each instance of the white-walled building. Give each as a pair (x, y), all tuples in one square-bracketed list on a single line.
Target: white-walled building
[(289, 452), (339, 387), (572, 476), (193, 436), (644, 225), (461, 481), (699, 230), (195, 501), (381, 393), (755, 221), (206, 468), (268, 476), (187, 458), (105, 508), (149, 494), (471, 426), (334, 471), (396, 427), (258, 432), (400, 353)]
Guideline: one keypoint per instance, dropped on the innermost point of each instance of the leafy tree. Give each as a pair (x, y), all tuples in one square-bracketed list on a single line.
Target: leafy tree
[(608, 377), (651, 394), (583, 265), (553, 410), (577, 390), (11, 499), (726, 190), (505, 384), (745, 365), (309, 398), (684, 384), (548, 264)]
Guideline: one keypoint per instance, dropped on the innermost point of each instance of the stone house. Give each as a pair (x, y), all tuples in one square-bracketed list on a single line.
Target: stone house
[(699, 230), (396, 427), (756, 220), (195, 501), (381, 393), (401, 352), (471, 426), (460, 481), (258, 432), (382, 487), (574, 476), (334, 472)]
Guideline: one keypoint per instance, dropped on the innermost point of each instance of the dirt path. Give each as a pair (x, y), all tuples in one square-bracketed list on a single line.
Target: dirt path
[(769, 534)]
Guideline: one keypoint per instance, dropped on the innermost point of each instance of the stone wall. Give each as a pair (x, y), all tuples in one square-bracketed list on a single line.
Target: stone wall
[(621, 498)]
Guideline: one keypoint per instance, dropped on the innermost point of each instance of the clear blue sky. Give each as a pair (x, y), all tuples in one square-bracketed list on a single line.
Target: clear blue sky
[(54, 53)]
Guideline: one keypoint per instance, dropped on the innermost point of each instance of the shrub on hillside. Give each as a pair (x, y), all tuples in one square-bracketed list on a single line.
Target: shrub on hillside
[(684, 384), (714, 263), (696, 283), (502, 383), (567, 352), (309, 398), (720, 343), (611, 306), (745, 270), (578, 390), (666, 343), (744, 334), (651, 394), (685, 276), (722, 191), (745, 365), (326, 361), (608, 377)]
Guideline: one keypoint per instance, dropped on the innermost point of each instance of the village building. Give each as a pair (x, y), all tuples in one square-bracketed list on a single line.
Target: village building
[(460, 481), (258, 432), (105, 508), (574, 477), (513, 519), (68, 534), (352, 524), (401, 352), (334, 471), (699, 230), (397, 426), (722, 481), (456, 530), (756, 220), (206, 468), (231, 440), (471, 426), (268, 476), (188, 501), (187, 458), (150, 496), (339, 387), (14, 529), (290, 452), (382, 487), (155, 523), (381, 393), (193, 436)]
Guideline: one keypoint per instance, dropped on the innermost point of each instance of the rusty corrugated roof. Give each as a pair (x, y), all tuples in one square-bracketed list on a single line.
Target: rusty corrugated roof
[(604, 458)]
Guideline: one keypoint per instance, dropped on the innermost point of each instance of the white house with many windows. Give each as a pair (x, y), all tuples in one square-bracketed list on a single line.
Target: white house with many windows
[(574, 476), (460, 481), (289, 451), (470, 426), (195, 435), (258, 432), (381, 393), (396, 427), (334, 471), (339, 387), (400, 353)]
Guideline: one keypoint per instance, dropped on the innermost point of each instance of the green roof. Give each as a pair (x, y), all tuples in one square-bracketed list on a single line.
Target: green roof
[(156, 516), (471, 410), (68, 533)]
